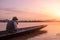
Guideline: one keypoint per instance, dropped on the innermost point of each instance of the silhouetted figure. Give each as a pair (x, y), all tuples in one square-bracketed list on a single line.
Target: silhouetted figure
[(12, 25)]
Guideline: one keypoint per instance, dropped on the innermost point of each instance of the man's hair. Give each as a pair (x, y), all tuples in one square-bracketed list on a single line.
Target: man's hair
[(14, 18)]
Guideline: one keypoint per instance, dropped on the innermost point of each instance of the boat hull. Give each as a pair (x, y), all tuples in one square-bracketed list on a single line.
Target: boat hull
[(4, 34)]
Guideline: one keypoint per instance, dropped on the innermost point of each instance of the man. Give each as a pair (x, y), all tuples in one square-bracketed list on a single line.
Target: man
[(12, 25)]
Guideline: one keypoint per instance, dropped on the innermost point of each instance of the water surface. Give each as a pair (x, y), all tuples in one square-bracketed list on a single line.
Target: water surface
[(53, 30)]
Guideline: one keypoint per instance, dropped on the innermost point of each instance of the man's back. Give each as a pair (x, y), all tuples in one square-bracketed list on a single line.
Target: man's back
[(10, 26)]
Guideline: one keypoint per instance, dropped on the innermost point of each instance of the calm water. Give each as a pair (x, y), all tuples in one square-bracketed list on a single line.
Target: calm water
[(53, 31)]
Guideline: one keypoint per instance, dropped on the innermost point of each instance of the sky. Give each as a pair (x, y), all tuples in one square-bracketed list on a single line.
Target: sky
[(30, 9)]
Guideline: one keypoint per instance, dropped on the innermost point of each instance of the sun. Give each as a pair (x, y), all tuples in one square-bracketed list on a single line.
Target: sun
[(58, 13)]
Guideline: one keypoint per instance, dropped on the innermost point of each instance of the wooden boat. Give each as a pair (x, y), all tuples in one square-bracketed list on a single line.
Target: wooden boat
[(21, 30)]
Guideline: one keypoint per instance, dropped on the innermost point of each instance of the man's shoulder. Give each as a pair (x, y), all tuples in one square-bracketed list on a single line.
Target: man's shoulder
[(10, 21)]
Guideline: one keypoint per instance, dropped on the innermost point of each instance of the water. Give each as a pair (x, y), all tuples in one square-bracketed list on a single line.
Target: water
[(53, 31)]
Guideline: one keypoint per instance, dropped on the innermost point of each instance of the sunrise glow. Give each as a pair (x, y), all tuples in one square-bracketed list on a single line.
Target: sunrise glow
[(30, 9), (58, 13)]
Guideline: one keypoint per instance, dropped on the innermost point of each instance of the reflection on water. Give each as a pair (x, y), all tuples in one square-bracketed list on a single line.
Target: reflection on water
[(53, 31), (28, 35)]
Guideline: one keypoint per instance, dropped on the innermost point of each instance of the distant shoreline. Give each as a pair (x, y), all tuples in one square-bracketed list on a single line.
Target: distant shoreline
[(33, 21), (30, 21)]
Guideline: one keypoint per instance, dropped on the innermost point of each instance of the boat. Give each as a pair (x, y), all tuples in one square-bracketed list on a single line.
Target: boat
[(21, 30)]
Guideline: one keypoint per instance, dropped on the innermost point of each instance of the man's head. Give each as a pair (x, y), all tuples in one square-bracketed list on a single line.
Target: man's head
[(14, 18)]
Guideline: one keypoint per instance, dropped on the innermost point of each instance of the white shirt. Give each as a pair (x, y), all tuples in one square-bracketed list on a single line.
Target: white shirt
[(15, 25)]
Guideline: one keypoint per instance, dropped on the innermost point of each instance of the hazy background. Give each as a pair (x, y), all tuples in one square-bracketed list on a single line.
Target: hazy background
[(30, 9)]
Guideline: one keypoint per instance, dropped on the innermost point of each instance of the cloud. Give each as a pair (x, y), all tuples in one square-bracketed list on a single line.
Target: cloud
[(12, 10)]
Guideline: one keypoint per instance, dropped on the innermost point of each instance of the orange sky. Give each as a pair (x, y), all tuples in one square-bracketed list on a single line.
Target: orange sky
[(30, 9)]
